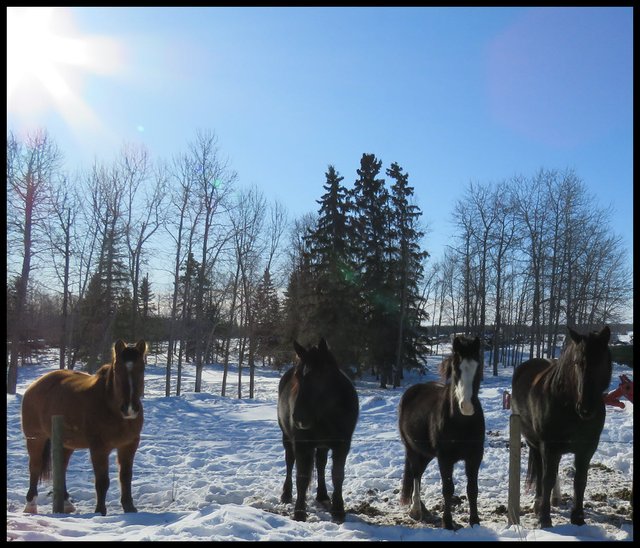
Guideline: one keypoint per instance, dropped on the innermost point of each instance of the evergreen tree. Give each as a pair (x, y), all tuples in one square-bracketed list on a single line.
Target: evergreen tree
[(267, 309), (408, 259), (146, 298), (373, 239), (335, 298)]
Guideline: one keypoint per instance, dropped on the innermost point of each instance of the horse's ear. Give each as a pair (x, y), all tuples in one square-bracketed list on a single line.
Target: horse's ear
[(456, 344), (605, 334), (575, 336), (322, 345), (119, 346), (476, 343), (300, 351), (141, 347)]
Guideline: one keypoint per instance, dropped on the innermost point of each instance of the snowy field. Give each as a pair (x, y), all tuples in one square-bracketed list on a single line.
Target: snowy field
[(211, 468)]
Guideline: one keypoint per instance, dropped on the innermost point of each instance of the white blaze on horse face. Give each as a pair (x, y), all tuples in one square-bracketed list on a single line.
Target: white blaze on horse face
[(131, 414), (464, 387)]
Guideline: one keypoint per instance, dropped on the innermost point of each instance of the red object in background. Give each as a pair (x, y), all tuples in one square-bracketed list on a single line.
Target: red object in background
[(625, 388), (506, 400)]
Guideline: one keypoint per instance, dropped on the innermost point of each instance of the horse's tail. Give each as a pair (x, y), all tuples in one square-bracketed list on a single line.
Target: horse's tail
[(531, 472), (45, 473)]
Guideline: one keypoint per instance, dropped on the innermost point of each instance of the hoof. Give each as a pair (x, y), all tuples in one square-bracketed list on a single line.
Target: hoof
[(31, 507), (286, 498), (545, 523), (338, 517), (577, 518), (415, 514), (68, 507), (324, 501), (102, 511), (300, 515)]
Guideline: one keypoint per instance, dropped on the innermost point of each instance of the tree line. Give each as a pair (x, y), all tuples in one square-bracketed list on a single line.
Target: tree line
[(86, 254)]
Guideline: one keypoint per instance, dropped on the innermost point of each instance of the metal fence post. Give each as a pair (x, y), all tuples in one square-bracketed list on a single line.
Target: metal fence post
[(57, 465), (513, 510)]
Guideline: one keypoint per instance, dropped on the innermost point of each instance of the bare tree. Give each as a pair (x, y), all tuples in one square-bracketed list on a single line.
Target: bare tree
[(30, 168), (61, 227), (142, 215), (214, 180)]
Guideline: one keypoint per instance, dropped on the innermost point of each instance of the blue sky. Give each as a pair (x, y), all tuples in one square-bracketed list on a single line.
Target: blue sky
[(453, 95)]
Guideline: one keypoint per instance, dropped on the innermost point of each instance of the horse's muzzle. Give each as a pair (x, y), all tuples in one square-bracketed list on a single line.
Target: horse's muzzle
[(466, 408), (129, 412), (583, 412)]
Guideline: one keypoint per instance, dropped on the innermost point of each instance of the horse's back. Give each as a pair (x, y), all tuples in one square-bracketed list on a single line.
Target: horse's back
[(420, 397), (51, 394), (525, 377), (418, 404)]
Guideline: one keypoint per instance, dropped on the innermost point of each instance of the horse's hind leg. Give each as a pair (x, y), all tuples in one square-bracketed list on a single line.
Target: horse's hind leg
[(581, 463), (321, 462), (289, 458), (407, 483), (416, 466), (550, 463), (68, 506), (125, 462), (38, 449)]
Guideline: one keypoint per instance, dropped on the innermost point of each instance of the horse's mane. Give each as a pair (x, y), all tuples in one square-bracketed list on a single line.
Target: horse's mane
[(562, 375), (445, 367)]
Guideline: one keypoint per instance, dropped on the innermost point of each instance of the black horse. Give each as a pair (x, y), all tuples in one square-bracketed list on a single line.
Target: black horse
[(444, 421), (317, 411), (561, 408)]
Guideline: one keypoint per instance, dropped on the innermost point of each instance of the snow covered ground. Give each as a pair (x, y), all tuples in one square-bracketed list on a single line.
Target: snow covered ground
[(211, 468)]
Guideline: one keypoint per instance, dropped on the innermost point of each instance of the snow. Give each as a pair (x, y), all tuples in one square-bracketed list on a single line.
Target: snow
[(212, 468)]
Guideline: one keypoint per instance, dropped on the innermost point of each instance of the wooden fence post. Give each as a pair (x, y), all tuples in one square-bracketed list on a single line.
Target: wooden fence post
[(513, 510), (57, 465)]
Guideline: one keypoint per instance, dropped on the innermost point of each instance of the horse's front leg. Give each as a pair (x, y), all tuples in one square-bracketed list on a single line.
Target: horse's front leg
[(446, 474), (304, 468), (321, 463), (472, 465), (550, 463), (100, 462), (581, 463), (339, 459), (125, 462), (289, 458)]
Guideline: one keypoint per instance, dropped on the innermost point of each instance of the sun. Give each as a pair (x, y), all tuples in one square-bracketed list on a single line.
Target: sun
[(35, 53), (47, 62)]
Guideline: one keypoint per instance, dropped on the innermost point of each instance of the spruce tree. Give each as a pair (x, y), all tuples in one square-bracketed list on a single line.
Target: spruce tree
[(334, 292), (372, 221), (408, 259)]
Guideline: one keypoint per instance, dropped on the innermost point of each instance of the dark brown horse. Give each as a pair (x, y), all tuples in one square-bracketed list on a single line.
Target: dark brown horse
[(101, 412), (561, 408), (444, 421), (317, 411)]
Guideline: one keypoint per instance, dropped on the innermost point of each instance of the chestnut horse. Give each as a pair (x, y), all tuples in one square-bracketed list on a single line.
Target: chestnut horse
[(444, 421), (317, 411), (562, 410), (101, 412)]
